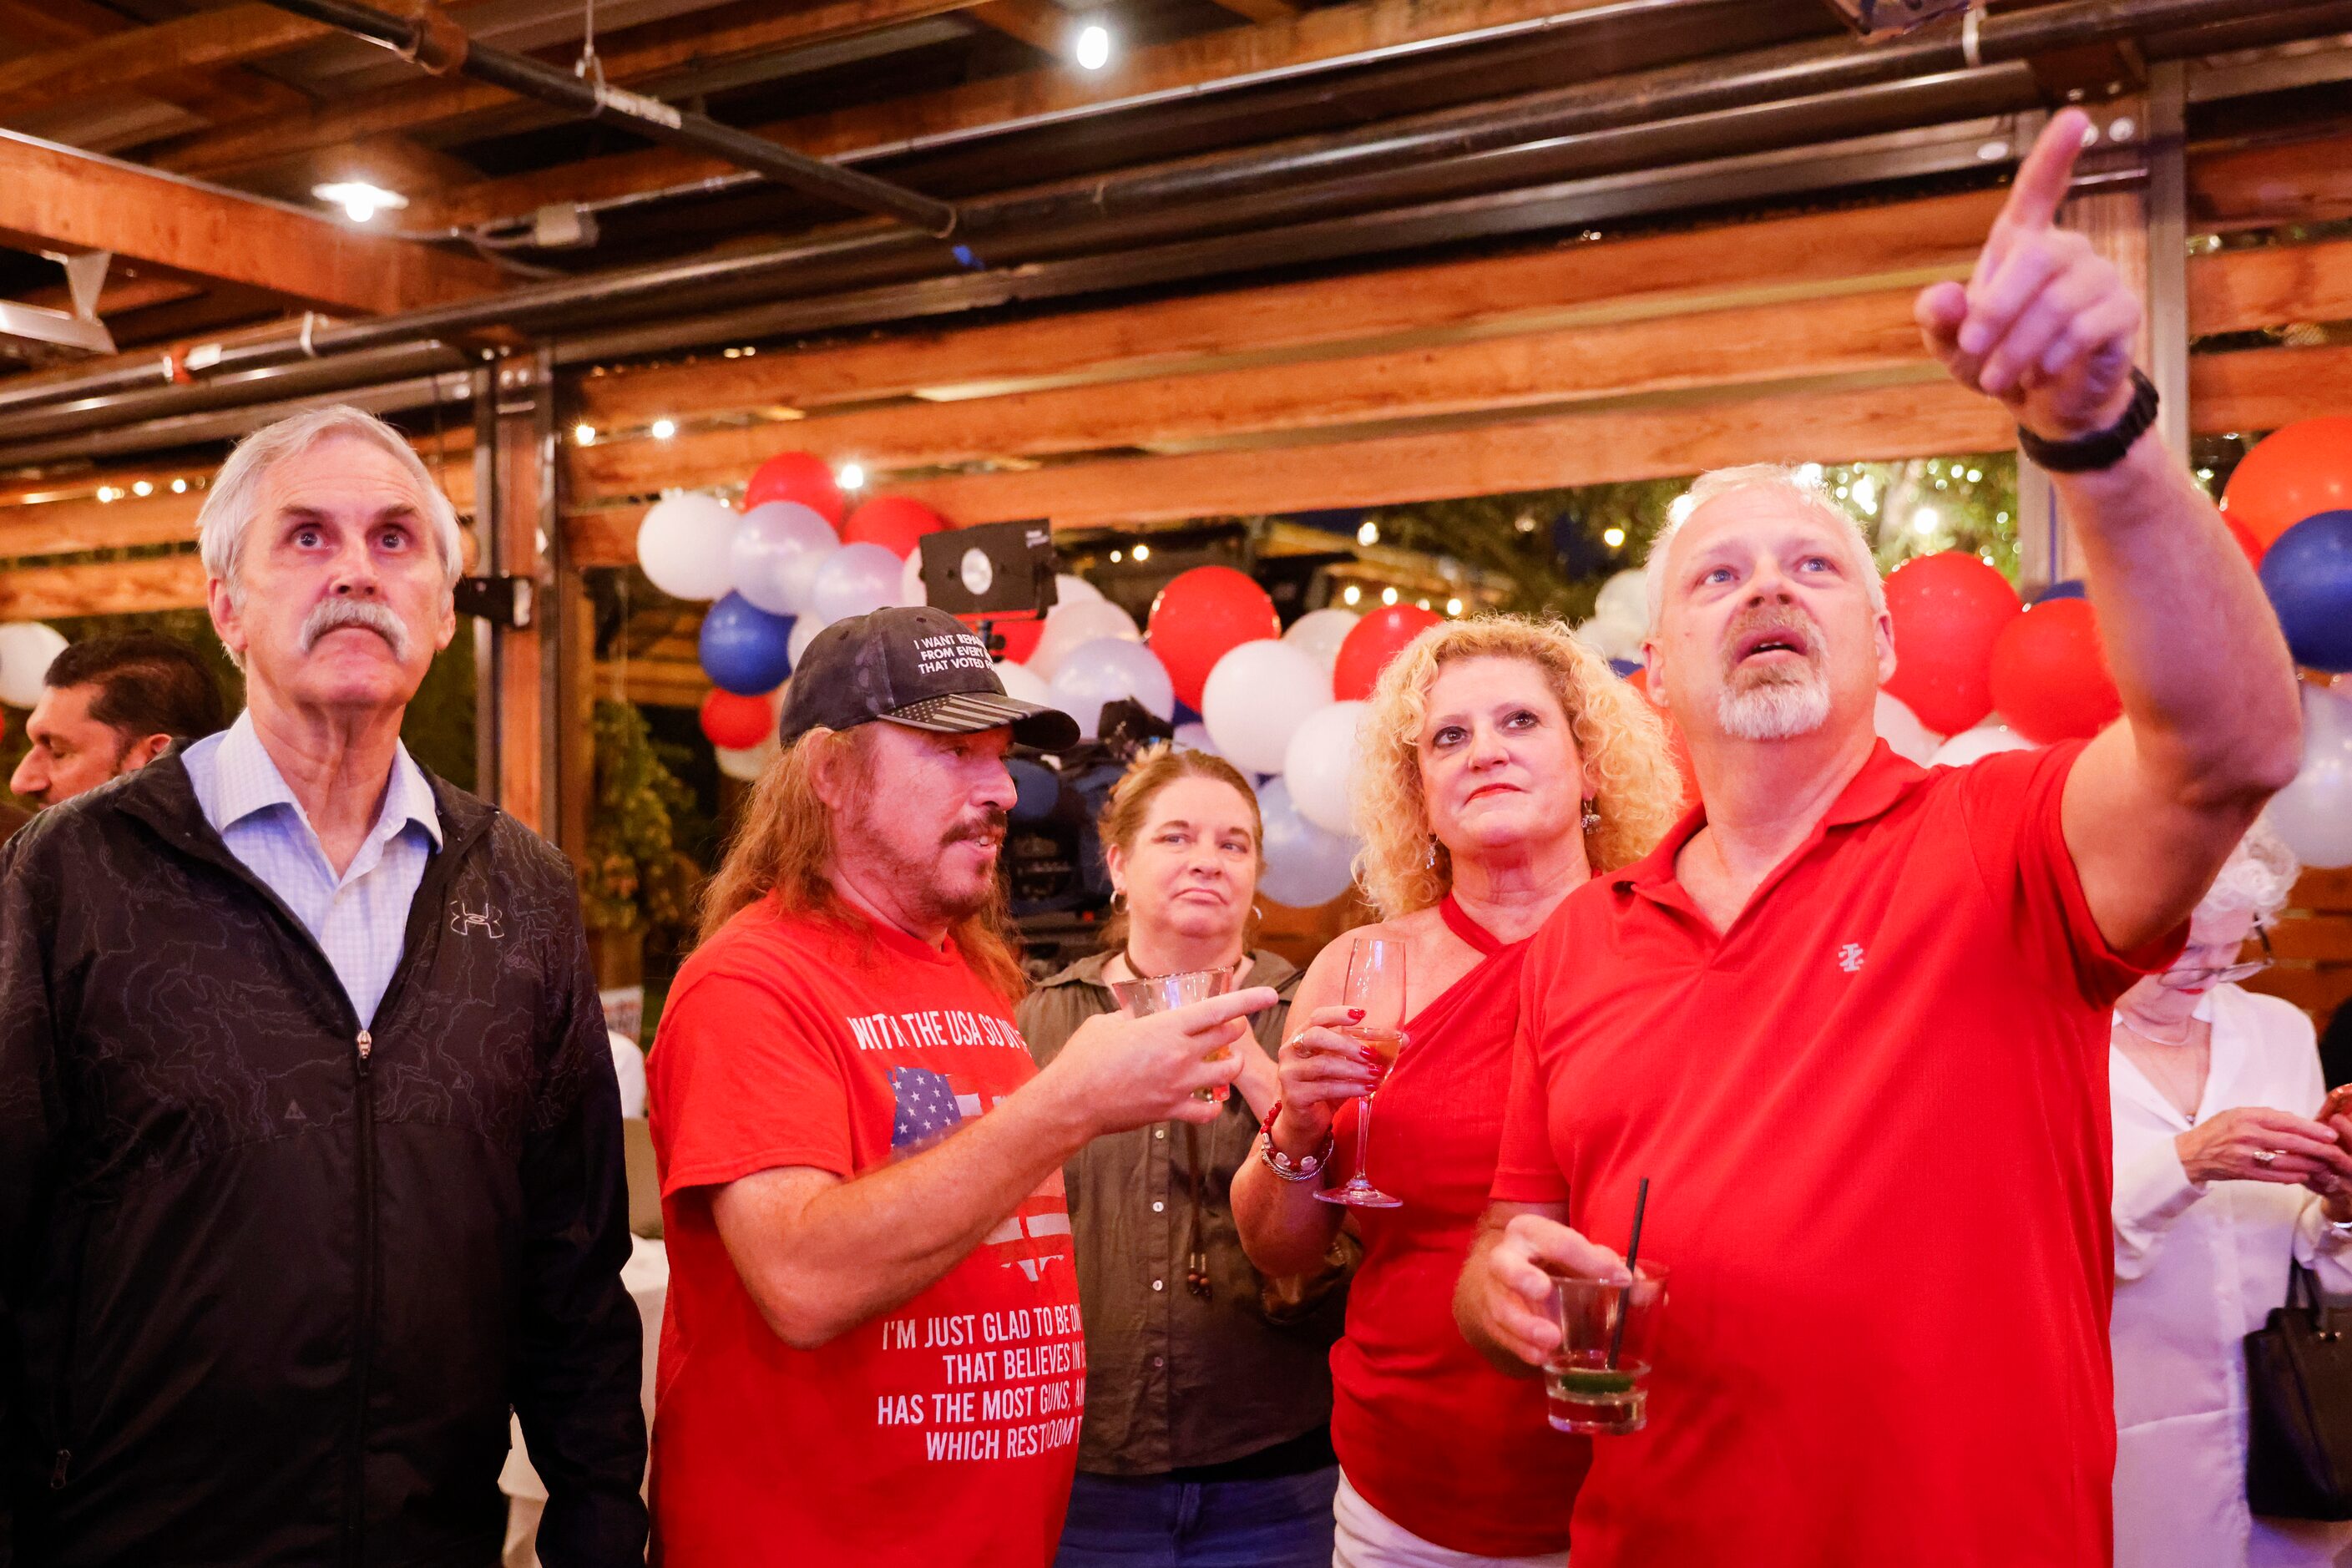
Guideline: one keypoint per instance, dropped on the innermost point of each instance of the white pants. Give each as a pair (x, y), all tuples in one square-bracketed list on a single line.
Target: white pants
[(1366, 1538)]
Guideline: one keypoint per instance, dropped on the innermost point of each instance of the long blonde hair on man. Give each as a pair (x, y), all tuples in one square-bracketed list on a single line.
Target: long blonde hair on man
[(1629, 771), (783, 852)]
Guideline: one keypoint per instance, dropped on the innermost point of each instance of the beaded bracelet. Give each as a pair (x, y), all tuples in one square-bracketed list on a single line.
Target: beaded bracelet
[(1308, 1167)]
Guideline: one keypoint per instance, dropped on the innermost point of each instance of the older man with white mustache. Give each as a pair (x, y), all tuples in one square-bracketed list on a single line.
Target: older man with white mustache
[(311, 1161), (1847, 1028)]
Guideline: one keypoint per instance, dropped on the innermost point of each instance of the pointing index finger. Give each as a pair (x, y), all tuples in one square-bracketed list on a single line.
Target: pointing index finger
[(2043, 178)]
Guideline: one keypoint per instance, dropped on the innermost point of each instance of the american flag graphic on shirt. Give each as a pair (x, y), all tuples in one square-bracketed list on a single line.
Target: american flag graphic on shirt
[(929, 1108)]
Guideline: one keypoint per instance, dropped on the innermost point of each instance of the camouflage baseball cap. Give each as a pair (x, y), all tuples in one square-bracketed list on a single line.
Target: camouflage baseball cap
[(918, 667)]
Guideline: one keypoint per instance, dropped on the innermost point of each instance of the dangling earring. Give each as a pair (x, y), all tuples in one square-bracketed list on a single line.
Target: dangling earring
[(1591, 816), (1429, 856)]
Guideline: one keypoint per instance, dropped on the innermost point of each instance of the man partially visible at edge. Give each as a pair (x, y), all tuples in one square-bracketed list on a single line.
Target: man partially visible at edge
[(311, 1158), (108, 707)]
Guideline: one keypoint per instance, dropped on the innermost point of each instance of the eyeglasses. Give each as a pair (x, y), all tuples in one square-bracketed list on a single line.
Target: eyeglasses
[(2203, 979)]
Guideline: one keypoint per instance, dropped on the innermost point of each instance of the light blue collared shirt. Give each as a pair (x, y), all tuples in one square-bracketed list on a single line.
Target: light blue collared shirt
[(360, 919)]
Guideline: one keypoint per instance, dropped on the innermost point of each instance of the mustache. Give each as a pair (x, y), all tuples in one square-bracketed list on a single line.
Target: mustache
[(1773, 618), (989, 827), (333, 615)]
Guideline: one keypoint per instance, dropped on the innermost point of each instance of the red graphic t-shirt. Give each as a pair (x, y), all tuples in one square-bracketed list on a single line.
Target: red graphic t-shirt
[(944, 1431)]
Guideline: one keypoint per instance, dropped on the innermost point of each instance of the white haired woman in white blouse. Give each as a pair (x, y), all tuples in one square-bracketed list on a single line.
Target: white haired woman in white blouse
[(2223, 1174)]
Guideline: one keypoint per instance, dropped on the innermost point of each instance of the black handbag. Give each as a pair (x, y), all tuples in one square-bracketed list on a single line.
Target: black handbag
[(2299, 1402)]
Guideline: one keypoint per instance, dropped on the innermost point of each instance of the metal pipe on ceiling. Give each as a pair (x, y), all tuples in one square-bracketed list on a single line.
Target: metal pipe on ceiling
[(440, 44), (1361, 167)]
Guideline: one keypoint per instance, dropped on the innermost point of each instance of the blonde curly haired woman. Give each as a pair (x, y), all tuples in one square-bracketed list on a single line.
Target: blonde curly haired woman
[(1504, 765)]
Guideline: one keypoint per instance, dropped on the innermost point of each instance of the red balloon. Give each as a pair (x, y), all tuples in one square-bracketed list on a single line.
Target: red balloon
[(735, 721), (2050, 680), (2254, 548), (1372, 643), (1948, 608), (1202, 616), (893, 522), (2294, 472), (802, 476)]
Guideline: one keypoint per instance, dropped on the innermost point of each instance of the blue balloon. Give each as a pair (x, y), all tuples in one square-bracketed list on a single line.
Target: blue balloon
[(745, 649), (2071, 588), (1625, 667), (1035, 789), (2308, 576)]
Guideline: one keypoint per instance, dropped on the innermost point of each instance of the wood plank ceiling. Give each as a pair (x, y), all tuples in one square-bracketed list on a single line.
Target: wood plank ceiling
[(1528, 363)]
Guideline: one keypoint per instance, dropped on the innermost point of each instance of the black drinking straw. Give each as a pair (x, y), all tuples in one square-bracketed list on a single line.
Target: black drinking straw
[(1633, 1261)]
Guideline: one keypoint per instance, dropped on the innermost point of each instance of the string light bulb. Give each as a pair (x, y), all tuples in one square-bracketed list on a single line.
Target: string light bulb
[(1091, 49), (851, 476)]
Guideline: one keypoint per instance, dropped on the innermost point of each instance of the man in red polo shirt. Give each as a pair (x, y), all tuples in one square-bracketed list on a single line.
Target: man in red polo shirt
[(1850, 1019), (871, 1355)]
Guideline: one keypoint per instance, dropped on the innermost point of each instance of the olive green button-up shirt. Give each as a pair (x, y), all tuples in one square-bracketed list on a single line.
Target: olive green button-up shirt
[(1175, 1380)]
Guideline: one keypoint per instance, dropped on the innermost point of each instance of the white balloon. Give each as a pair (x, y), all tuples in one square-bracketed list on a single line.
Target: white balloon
[(749, 762), (1304, 865), (686, 544), (910, 582), (1257, 697), (1981, 741), (1194, 737), (2314, 814), (1070, 625), (804, 631), (25, 649), (1610, 638), (629, 1070), (1904, 735), (1320, 633), (1108, 670), (1022, 683), (1320, 765), (855, 580), (778, 545), (1072, 589), (1625, 599)]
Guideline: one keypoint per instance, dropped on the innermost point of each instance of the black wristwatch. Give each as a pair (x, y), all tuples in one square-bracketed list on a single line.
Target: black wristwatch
[(2102, 450)]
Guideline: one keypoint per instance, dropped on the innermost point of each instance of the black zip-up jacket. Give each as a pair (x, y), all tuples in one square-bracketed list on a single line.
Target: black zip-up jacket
[(269, 1280)]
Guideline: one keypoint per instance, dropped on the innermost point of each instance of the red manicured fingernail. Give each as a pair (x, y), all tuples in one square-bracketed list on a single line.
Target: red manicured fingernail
[(1354, 1012)]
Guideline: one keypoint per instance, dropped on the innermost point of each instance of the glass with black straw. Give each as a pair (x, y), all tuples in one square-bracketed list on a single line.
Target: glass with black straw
[(1597, 1381)]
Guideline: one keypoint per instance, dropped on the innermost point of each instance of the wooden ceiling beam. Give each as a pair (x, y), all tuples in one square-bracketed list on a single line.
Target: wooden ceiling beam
[(1331, 32), (1039, 24), (1712, 349), (2272, 286), (2255, 187), (1261, 10), (632, 55), (102, 588), (2255, 390), (1807, 255), (207, 38), (216, 96), (50, 195)]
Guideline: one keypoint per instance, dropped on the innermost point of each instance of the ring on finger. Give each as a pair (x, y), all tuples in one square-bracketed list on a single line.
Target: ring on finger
[(2267, 1157)]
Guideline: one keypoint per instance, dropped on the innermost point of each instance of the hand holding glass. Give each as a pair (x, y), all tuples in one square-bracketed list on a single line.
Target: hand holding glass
[(1375, 987), (1596, 1382), (1147, 995)]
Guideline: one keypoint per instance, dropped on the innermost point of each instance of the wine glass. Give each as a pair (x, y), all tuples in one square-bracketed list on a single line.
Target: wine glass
[(1375, 984)]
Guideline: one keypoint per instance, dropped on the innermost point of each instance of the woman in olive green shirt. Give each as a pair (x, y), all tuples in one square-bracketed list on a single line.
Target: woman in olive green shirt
[(1207, 1433)]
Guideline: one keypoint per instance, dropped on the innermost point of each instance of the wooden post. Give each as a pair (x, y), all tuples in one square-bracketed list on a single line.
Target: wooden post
[(515, 511)]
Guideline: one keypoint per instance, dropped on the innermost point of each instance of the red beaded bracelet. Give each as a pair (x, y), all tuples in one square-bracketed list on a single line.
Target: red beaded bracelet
[(1309, 1166)]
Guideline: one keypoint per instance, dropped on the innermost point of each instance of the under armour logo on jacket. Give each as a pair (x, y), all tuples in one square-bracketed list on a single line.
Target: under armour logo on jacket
[(465, 923)]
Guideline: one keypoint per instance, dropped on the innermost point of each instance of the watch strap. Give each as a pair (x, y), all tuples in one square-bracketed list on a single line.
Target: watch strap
[(2102, 449)]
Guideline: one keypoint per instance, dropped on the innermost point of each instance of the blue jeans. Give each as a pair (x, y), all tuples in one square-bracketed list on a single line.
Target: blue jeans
[(1116, 1521)]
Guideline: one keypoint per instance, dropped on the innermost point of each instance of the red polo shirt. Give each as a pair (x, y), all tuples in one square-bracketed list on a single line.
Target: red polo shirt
[(1875, 1117)]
